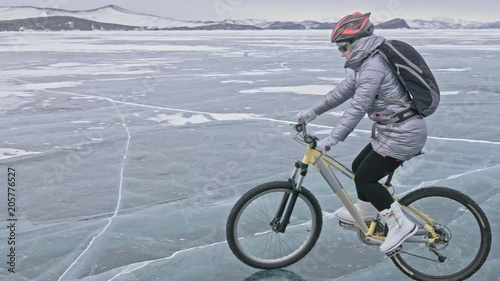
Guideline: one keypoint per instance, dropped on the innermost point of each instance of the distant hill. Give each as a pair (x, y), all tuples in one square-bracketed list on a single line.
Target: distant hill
[(59, 23), (393, 24), (113, 17), (109, 14), (217, 26)]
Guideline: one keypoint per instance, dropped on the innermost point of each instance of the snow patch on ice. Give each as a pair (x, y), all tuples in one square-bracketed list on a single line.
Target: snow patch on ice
[(232, 116), (313, 70), (237, 82), (261, 72), (179, 120), (50, 85), (6, 153), (80, 69), (215, 75), (65, 64), (332, 79), (449, 93), (301, 90), (81, 98), (452, 69)]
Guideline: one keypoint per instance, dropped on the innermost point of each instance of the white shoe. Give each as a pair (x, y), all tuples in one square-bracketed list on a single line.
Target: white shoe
[(366, 209), (400, 228)]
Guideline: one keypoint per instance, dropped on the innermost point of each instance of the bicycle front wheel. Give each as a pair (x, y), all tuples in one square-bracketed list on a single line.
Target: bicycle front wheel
[(252, 237), (465, 237)]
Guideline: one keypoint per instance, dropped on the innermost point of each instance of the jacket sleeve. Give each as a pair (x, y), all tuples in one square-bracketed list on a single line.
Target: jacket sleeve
[(369, 81), (337, 96)]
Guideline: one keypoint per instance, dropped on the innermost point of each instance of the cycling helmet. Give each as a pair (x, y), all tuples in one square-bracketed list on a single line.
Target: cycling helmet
[(352, 27)]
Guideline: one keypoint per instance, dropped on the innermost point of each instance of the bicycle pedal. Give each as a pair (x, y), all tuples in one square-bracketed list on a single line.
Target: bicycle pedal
[(348, 226), (345, 224), (394, 252)]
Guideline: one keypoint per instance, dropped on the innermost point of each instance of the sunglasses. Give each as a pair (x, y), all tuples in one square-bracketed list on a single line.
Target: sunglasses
[(343, 48)]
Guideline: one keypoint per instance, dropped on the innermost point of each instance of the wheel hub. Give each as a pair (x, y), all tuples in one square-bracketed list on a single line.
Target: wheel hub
[(444, 237), (275, 224)]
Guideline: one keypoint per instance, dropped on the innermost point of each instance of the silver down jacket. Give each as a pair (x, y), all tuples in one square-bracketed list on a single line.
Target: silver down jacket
[(372, 76)]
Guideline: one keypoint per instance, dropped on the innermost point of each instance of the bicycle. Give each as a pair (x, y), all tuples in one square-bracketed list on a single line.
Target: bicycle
[(277, 223)]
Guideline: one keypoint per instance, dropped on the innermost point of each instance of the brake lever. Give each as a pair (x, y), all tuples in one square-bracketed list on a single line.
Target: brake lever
[(298, 127), (311, 140)]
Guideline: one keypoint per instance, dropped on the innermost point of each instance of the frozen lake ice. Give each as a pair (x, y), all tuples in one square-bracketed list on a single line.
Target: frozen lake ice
[(131, 147)]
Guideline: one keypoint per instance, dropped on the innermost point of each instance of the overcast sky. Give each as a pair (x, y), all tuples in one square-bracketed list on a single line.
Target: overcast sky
[(477, 10)]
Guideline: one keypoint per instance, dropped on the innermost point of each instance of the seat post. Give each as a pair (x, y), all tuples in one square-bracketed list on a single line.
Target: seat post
[(388, 181)]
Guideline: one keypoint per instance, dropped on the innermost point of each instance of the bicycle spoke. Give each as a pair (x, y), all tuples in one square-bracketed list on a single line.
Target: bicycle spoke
[(256, 220), (289, 248), (294, 239)]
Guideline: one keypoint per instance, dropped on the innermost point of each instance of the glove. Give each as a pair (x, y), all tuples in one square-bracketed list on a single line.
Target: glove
[(322, 144), (305, 116)]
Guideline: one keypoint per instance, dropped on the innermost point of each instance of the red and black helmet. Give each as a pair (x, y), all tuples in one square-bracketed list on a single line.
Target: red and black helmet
[(352, 27)]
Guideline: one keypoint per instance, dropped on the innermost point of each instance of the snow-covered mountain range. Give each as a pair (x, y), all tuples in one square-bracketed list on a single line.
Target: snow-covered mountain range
[(116, 18), (108, 14)]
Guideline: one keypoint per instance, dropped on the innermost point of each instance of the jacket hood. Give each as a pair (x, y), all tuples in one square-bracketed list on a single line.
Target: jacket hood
[(362, 49)]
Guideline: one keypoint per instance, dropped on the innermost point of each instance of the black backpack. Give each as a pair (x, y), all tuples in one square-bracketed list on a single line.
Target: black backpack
[(414, 74)]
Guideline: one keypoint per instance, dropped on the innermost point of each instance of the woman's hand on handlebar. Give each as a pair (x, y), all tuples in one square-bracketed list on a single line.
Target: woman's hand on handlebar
[(325, 144)]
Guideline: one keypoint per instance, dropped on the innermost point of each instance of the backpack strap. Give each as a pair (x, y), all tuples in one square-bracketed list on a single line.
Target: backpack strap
[(391, 100), (399, 117)]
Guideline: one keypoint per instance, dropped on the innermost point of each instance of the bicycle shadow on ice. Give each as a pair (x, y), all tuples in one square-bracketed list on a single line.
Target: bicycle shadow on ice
[(274, 275)]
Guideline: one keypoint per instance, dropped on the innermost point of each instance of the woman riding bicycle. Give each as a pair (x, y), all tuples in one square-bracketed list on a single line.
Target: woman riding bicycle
[(393, 144)]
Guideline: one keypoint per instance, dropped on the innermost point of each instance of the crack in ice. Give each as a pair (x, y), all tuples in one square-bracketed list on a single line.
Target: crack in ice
[(110, 220), (430, 183), (136, 266), (284, 67), (457, 175)]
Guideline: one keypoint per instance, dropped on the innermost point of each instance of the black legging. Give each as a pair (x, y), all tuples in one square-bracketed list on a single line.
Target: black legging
[(369, 167)]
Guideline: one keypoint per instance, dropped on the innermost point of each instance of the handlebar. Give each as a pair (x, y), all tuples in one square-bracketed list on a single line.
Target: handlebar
[(309, 139)]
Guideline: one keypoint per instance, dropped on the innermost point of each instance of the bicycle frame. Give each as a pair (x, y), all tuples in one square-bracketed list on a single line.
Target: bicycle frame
[(326, 165), (277, 223)]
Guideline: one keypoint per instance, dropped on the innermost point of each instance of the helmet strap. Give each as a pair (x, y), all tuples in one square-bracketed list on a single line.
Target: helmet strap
[(353, 44)]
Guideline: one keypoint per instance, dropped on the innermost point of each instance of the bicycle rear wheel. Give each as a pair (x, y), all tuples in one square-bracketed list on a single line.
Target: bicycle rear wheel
[(250, 233), (465, 237)]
